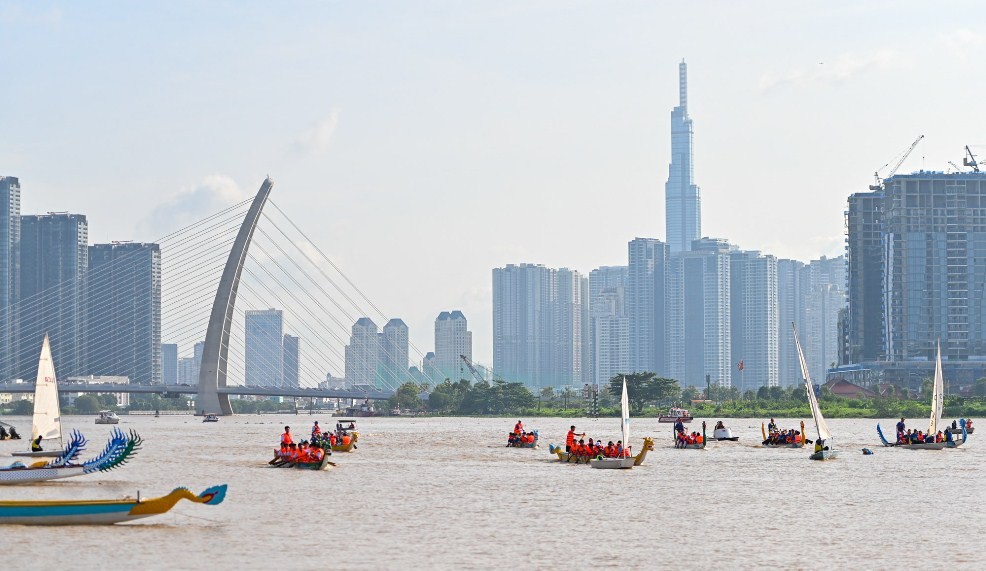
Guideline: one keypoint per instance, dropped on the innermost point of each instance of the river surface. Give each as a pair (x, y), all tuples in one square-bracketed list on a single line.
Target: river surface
[(443, 493)]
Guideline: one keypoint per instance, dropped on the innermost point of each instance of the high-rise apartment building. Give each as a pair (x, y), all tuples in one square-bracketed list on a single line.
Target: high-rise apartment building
[(54, 261), (10, 252), (264, 353), (123, 311), (609, 327), (646, 299), (682, 202), (169, 363), (452, 339), (393, 353), (539, 322), (188, 372), (754, 320), (699, 320), (291, 361), (792, 291), (571, 328), (363, 355), (917, 268)]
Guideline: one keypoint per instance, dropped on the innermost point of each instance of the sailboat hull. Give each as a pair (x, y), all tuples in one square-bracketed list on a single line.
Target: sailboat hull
[(824, 455), (31, 475), (612, 463), (42, 454)]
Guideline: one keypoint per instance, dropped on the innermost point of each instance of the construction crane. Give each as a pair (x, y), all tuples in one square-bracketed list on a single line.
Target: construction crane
[(970, 160), (472, 368), (876, 175)]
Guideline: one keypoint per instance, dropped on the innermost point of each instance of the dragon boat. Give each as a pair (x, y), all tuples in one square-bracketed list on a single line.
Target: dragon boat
[(576, 459), (937, 404), (797, 444), (513, 442), (120, 448), (694, 445), (323, 464), (93, 512)]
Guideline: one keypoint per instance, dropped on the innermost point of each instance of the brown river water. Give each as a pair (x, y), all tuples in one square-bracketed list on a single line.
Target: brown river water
[(443, 493)]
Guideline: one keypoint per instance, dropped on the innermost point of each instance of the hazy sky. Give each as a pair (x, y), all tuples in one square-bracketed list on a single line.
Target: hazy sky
[(423, 143)]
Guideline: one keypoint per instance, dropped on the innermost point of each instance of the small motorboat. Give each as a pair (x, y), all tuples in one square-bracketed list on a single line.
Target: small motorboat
[(722, 433), (91, 512), (675, 414), (107, 417), (211, 418)]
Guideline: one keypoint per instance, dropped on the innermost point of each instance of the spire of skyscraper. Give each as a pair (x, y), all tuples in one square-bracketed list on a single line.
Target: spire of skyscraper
[(683, 207)]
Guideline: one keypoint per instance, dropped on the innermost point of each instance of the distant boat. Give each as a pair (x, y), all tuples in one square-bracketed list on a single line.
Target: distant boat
[(93, 512), (211, 418), (798, 443), (685, 445), (626, 461), (824, 450), (107, 417), (722, 433), (934, 425), (47, 420), (675, 414)]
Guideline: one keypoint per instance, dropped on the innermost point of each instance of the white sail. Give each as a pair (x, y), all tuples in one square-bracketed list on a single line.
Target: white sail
[(625, 408), (47, 421), (816, 413), (937, 396)]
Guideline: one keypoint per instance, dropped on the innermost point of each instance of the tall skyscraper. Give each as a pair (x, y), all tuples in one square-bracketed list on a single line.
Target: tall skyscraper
[(792, 291), (197, 351), (754, 319), (393, 353), (539, 322), (10, 252), (123, 311), (263, 346), (363, 355), (169, 363), (608, 348), (452, 339), (682, 202), (571, 328), (917, 255), (188, 372), (291, 361), (864, 251), (699, 315), (646, 305), (54, 261)]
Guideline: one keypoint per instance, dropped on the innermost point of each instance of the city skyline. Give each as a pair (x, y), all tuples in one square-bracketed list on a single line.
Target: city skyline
[(526, 130)]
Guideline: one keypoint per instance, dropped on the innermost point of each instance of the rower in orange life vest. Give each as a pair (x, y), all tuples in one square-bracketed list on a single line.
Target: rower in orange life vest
[(519, 427), (316, 432), (570, 439), (286, 437)]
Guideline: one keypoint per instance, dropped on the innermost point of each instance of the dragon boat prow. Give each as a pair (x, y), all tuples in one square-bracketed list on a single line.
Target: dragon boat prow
[(102, 512)]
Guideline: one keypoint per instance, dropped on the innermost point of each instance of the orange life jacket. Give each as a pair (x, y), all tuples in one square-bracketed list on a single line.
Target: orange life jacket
[(286, 439), (570, 439), (698, 439), (518, 428)]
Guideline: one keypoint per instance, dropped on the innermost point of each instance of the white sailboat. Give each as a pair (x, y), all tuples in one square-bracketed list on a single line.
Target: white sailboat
[(934, 425), (47, 420), (627, 462), (824, 449)]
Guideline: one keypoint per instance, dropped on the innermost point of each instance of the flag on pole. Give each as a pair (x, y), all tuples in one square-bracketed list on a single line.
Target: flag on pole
[(740, 365)]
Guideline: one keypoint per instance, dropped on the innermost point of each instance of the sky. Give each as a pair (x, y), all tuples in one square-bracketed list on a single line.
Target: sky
[(421, 144)]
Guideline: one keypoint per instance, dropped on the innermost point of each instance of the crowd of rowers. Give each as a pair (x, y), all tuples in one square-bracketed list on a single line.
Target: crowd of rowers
[(908, 436), (683, 439), (777, 436), (519, 437), (303, 451), (586, 450)]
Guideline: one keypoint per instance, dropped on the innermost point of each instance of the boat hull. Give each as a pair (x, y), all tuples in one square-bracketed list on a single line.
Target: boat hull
[(42, 454), (30, 475), (672, 419), (923, 445), (100, 512), (324, 464), (824, 455), (612, 463)]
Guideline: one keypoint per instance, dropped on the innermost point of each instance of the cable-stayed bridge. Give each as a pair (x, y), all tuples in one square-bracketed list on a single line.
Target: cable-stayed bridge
[(254, 306)]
